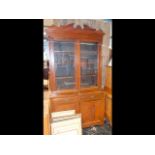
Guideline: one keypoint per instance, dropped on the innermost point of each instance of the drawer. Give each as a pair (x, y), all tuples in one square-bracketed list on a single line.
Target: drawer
[(65, 99), (63, 104), (91, 96)]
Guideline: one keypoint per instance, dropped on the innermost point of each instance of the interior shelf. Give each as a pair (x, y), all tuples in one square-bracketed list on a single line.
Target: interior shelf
[(64, 77), (88, 75)]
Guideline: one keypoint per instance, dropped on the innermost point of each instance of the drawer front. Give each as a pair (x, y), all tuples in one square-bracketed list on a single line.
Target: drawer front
[(65, 99), (91, 96), (63, 104)]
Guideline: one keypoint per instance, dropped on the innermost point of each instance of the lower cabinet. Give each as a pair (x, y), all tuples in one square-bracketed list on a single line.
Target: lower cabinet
[(92, 113), (91, 106)]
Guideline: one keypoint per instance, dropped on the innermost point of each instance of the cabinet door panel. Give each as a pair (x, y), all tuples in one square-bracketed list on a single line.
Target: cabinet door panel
[(86, 109), (92, 112), (64, 55), (99, 111), (89, 64)]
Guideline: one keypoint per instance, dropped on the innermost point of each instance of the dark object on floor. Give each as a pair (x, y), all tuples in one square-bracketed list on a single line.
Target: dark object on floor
[(98, 130)]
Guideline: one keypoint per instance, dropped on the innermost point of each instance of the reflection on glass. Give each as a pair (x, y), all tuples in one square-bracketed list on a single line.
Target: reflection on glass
[(64, 64), (46, 59), (88, 64)]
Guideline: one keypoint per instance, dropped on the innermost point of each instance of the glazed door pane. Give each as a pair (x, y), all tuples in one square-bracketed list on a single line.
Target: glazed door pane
[(46, 59), (64, 64), (89, 61)]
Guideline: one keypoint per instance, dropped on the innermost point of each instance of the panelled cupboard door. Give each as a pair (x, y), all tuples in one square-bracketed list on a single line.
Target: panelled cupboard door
[(92, 112), (99, 111), (87, 112)]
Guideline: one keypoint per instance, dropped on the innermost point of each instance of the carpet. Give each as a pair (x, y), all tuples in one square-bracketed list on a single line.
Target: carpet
[(98, 130)]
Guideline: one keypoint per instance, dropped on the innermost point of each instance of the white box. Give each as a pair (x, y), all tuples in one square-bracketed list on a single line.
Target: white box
[(69, 124)]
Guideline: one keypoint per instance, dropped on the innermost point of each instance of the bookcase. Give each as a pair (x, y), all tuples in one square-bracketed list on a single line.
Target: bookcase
[(75, 70)]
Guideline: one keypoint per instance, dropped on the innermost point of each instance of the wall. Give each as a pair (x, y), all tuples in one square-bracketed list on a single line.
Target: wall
[(106, 51)]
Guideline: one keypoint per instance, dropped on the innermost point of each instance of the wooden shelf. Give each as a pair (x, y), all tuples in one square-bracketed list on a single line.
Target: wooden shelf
[(64, 77), (89, 75), (63, 51)]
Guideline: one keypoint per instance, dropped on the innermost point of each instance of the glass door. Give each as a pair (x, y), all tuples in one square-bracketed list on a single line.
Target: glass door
[(89, 64), (64, 57)]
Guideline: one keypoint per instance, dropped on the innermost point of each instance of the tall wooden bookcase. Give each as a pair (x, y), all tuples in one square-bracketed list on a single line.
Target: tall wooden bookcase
[(75, 70)]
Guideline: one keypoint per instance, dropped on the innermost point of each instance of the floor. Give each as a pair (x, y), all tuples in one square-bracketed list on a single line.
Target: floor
[(98, 130)]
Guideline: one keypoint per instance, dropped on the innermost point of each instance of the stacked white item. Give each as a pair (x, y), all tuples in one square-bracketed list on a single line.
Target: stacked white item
[(66, 123)]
